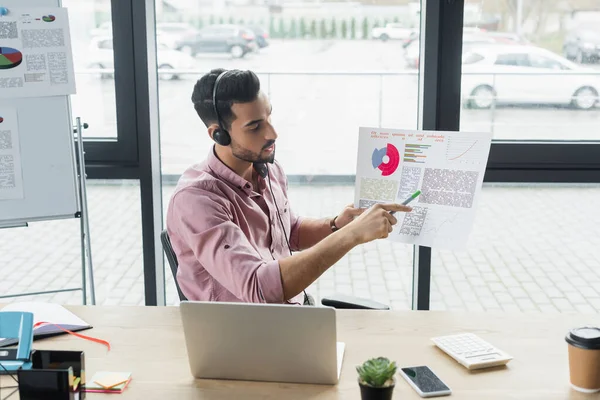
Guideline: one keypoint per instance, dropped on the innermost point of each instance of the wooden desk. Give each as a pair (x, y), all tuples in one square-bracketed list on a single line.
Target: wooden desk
[(149, 342)]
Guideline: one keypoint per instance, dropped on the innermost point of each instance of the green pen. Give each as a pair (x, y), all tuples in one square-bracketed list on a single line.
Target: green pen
[(411, 198)]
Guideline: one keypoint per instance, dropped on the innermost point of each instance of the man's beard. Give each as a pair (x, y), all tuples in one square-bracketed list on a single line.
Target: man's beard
[(250, 156)]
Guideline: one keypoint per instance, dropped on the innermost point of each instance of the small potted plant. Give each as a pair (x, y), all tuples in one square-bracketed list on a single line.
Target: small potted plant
[(376, 379)]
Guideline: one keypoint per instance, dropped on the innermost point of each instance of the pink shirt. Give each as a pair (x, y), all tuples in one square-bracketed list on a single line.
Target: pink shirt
[(227, 236)]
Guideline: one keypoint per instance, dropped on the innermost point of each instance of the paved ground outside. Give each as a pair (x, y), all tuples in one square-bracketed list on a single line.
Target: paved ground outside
[(532, 249)]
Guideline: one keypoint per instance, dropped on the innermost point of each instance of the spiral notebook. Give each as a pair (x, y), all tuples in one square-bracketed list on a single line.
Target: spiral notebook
[(46, 312)]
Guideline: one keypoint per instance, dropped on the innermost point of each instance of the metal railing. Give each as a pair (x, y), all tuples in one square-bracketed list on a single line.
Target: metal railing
[(380, 75)]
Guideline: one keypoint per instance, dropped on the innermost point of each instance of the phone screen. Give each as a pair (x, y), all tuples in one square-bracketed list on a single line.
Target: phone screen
[(425, 379)]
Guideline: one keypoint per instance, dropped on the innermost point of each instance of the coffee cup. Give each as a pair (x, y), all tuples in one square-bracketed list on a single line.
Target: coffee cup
[(584, 359)]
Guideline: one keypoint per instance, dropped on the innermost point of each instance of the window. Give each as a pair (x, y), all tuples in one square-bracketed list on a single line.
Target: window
[(52, 260), (102, 97), (517, 60), (326, 76), (520, 258), (539, 61), (95, 98)]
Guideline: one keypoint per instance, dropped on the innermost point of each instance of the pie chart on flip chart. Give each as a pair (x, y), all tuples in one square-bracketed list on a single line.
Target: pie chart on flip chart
[(10, 58), (386, 159)]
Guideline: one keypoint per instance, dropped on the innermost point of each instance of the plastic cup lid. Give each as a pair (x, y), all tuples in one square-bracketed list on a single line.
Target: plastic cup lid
[(587, 337)]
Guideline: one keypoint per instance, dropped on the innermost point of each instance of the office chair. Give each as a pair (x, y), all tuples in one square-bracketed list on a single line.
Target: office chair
[(336, 301)]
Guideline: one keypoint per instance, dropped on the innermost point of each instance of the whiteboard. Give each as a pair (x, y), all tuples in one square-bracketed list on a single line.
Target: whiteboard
[(47, 153)]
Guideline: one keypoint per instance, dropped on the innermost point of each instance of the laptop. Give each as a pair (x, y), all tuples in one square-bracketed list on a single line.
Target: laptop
[(262, 342)]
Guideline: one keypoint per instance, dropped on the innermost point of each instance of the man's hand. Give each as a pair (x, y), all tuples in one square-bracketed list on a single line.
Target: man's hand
[(347, 215), (376, 222)]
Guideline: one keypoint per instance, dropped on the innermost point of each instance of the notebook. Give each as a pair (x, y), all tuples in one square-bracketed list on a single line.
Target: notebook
[(108, 382), (46, 312)]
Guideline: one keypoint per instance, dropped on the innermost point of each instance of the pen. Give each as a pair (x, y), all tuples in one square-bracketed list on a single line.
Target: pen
[(411, 198)]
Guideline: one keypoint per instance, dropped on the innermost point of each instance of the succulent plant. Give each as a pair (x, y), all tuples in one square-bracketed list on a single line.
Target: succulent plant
[(377, 372)]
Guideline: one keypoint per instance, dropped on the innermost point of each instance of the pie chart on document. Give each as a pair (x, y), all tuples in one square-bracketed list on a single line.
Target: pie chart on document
[(10, 58), (386, 159)]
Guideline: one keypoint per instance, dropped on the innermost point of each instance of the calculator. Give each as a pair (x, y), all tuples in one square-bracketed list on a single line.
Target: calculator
[(471, 351)]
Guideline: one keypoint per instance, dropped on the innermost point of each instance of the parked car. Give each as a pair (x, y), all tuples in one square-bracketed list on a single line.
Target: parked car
[(101, 57), (392, 31), (412, 51), (583, 46), (233, 39), (170, 33), (260, 36), (515, 75)]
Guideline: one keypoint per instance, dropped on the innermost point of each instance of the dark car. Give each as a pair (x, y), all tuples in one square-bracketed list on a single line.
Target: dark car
[(582, 46), (260, 35), (233, 39)]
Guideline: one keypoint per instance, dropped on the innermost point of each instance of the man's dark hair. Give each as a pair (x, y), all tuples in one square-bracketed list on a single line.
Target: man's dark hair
[(235, 87)]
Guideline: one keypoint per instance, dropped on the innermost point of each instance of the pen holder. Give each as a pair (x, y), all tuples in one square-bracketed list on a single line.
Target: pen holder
[(52, 376)]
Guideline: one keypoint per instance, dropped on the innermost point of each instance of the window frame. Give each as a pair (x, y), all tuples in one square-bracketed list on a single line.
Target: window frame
[(117, 158)]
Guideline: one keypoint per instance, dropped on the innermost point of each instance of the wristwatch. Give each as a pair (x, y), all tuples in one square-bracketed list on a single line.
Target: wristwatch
[(332, 224)]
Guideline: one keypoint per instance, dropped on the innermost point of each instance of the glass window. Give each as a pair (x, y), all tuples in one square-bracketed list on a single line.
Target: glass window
[(539, 61), (517, 60), (524, 254), (327, 71), (46, 255), (533, 90), (91, 32)]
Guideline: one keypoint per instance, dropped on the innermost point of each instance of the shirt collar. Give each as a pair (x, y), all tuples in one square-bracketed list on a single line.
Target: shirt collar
[(227, 174)]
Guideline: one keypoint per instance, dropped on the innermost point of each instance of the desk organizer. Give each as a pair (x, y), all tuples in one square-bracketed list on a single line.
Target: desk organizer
[(52, 375)]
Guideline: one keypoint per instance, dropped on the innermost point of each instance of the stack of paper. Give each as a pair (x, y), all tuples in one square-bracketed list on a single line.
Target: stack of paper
[(108, 382), (55, 314)]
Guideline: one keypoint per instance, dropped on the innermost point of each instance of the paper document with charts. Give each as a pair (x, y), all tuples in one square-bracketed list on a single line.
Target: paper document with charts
[(35, 53), (448, 169), (11, 179)]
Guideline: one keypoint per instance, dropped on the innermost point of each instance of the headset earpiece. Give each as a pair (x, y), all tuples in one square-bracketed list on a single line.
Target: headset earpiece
[(221, 137)]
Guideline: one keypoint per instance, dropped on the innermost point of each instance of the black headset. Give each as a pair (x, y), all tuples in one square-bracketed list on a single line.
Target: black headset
[(222, 137)]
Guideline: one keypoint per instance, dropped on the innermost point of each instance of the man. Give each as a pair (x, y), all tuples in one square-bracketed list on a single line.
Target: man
[(229, 219)]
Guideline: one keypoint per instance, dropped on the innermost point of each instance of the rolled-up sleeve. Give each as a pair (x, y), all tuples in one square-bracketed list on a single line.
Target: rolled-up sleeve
[(223, 249)]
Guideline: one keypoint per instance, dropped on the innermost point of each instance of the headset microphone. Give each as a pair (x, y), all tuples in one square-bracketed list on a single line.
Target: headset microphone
[(287, 241)]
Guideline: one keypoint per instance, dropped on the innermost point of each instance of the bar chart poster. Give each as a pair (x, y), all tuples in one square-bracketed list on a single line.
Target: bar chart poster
[(448, 169)]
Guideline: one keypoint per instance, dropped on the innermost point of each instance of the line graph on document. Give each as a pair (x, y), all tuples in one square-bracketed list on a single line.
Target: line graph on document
[(464, 150), (438, 220)]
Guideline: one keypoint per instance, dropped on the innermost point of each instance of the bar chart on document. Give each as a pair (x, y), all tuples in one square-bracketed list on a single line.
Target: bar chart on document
[(448, 169)]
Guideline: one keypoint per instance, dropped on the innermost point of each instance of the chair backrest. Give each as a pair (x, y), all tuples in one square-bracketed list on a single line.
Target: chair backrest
[(172, 259)]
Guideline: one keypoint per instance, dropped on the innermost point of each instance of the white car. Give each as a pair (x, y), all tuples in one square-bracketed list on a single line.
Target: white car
[(516, 74), (102, 57), (392, 31)]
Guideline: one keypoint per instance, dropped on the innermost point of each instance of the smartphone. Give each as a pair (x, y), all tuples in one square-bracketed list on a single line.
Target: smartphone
[(425, 381)]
